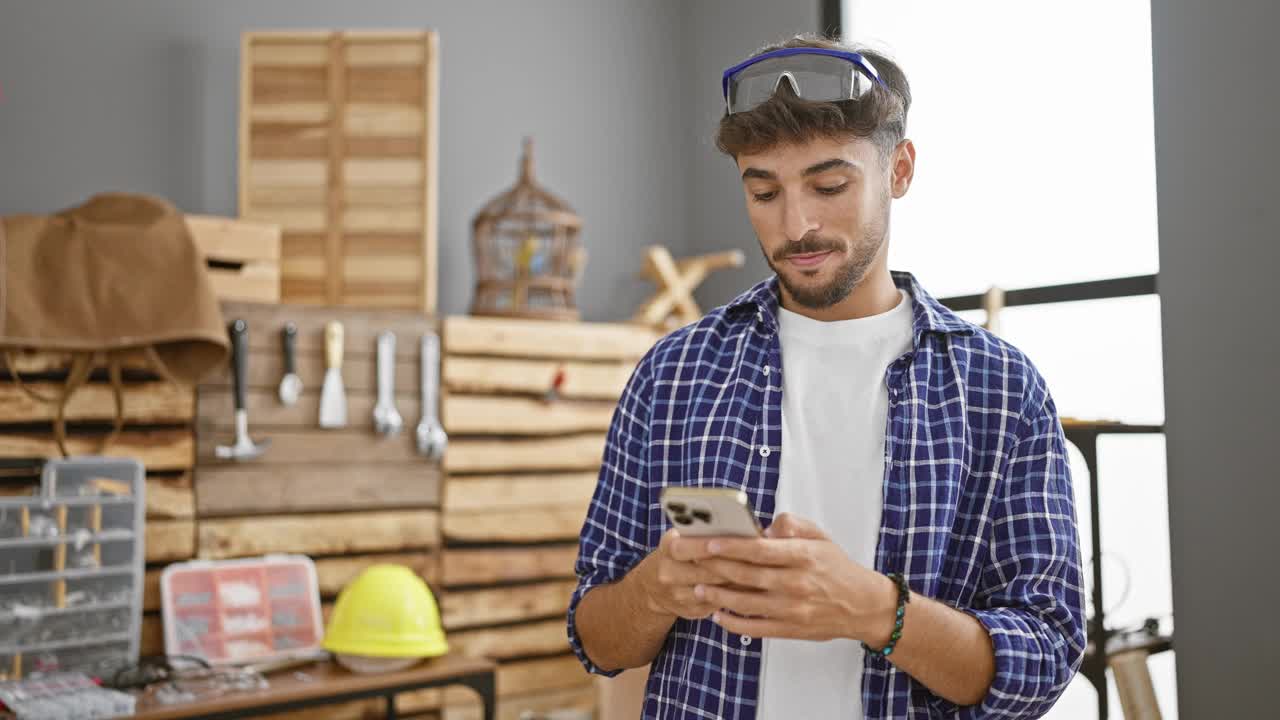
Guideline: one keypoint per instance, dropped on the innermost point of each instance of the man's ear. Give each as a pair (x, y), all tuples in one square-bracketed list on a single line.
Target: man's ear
[(903, 165)]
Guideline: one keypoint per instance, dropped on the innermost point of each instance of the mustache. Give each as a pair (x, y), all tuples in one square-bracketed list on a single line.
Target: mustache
[(808, 245)]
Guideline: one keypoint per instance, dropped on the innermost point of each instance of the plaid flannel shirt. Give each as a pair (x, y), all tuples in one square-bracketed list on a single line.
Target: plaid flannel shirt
[(978, 505)]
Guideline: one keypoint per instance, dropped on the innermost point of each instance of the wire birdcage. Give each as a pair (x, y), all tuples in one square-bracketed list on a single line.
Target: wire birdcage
[(529, 258)]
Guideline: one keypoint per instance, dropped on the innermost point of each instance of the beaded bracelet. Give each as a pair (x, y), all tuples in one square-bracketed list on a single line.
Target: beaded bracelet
[(904, 597)]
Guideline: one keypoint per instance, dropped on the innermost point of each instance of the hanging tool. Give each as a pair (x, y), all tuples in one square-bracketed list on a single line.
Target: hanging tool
[(245, 448), (386, 420), (432, 439), (333, 395), (290, 384)]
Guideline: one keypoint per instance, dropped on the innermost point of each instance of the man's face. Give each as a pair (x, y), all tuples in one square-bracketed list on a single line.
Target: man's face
[(821, 212)]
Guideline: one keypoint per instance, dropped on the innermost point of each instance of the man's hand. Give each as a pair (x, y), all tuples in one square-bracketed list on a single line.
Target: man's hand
[(793, 583), (670, 575)]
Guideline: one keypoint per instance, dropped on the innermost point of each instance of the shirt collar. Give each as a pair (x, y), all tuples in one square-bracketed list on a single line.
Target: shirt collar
[(928, 315)]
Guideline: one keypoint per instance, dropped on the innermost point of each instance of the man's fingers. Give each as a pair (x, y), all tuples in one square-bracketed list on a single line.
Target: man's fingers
[(688, 549), (744, 574), (789, 552), (757, 627), (688, 575), (787, 525), (747, 602)]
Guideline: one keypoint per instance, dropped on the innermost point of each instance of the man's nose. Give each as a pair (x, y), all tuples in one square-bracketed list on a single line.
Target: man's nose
[(798, 220)]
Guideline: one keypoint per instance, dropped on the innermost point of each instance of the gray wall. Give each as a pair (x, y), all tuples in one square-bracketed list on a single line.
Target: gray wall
[(141, 95), (1216, 100), (726, 32)]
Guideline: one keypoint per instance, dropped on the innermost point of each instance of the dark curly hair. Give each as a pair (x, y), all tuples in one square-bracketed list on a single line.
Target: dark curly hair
[(880, 115)]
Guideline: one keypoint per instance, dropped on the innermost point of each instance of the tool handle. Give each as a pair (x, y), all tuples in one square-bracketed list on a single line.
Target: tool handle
[(239, 330), (430, 374), (289, 337), (386, 367), (333, 344)]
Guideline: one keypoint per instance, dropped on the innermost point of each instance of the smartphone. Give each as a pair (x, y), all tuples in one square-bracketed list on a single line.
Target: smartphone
[(709, 511)]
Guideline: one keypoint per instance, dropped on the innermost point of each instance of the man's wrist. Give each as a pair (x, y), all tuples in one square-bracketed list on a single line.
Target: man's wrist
[(877, 622), (642, 582)]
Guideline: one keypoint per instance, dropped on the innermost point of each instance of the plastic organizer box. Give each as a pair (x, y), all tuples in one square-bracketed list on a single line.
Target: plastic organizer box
[(254, 609), (71, 568)]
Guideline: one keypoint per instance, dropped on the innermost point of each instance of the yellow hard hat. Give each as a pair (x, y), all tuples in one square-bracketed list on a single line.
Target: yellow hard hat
[(387, 611)]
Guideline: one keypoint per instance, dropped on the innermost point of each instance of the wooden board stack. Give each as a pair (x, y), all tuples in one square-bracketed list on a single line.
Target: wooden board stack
[(338, 144), (520, 470)]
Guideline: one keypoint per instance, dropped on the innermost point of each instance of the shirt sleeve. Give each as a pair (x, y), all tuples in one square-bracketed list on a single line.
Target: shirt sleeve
[(1031, 598), (615, 534)]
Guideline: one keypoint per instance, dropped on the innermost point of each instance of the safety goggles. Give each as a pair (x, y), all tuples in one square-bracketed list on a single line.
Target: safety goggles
[(815, 74)]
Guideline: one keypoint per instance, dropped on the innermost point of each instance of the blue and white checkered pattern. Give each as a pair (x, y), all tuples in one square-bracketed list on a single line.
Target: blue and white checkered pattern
[(978, 505)]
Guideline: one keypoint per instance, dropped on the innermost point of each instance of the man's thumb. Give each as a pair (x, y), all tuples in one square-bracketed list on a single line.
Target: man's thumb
[(787, 525)]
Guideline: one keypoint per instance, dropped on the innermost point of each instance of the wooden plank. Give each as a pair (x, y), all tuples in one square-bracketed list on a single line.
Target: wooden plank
[(302, 113), (464, 335), (383, 120), (151, 589), (290, 219), (288, 84), (371, 147), (320, 534), (309, 487), (539, 524), (580, 700), (288, 173), (499, 415), (486, 493), (488, 566), (573, 452), (257, 282), (362, 52), (505, 604), (381, 219), (379, 269), (231, 239), (170, 497), (266, 412), (542, 674), (334, 573), (540, 638), (431, 188), (582, 380), (354, 444), (382, 171), (155, 449), (169, 540), (289, 54), (147, 402), (302, 196), (152, 635)]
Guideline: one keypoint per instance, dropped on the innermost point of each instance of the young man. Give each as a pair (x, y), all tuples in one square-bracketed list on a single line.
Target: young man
[(922, 557)]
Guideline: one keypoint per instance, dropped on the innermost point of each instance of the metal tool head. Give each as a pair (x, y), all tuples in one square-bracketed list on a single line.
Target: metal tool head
[(386, 419), (290, 389), (245, 448), (432, 439)]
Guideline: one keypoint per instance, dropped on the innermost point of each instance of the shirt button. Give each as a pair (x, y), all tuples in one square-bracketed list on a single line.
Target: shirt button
[(764, 451), (766, 371), (745, 639)]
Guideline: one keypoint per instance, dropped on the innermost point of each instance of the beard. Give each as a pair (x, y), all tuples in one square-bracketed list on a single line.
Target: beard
[(846, 277)]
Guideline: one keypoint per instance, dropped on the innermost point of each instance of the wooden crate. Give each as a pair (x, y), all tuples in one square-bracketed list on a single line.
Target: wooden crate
[(338, 145), (519, 474), (243, 257)]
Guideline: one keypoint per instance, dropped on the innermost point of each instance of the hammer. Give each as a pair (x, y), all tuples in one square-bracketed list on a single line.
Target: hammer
[(244, 449)]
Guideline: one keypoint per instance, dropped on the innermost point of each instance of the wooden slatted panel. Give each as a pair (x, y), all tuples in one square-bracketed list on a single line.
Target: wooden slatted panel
[(318, 534), (339, 140)]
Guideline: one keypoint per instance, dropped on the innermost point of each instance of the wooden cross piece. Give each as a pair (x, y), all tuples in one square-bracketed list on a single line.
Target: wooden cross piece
[(673, 305)]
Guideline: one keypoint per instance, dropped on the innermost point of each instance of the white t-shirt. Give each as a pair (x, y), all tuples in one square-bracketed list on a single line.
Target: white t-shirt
[(835, 408)]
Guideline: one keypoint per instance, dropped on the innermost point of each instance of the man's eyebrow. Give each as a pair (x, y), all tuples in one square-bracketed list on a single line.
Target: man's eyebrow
[(754, 172), (831, 164)]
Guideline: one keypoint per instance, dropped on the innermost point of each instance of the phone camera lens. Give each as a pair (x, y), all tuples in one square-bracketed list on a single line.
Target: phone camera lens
[(677, 508), (702, 515), (684, 520)]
